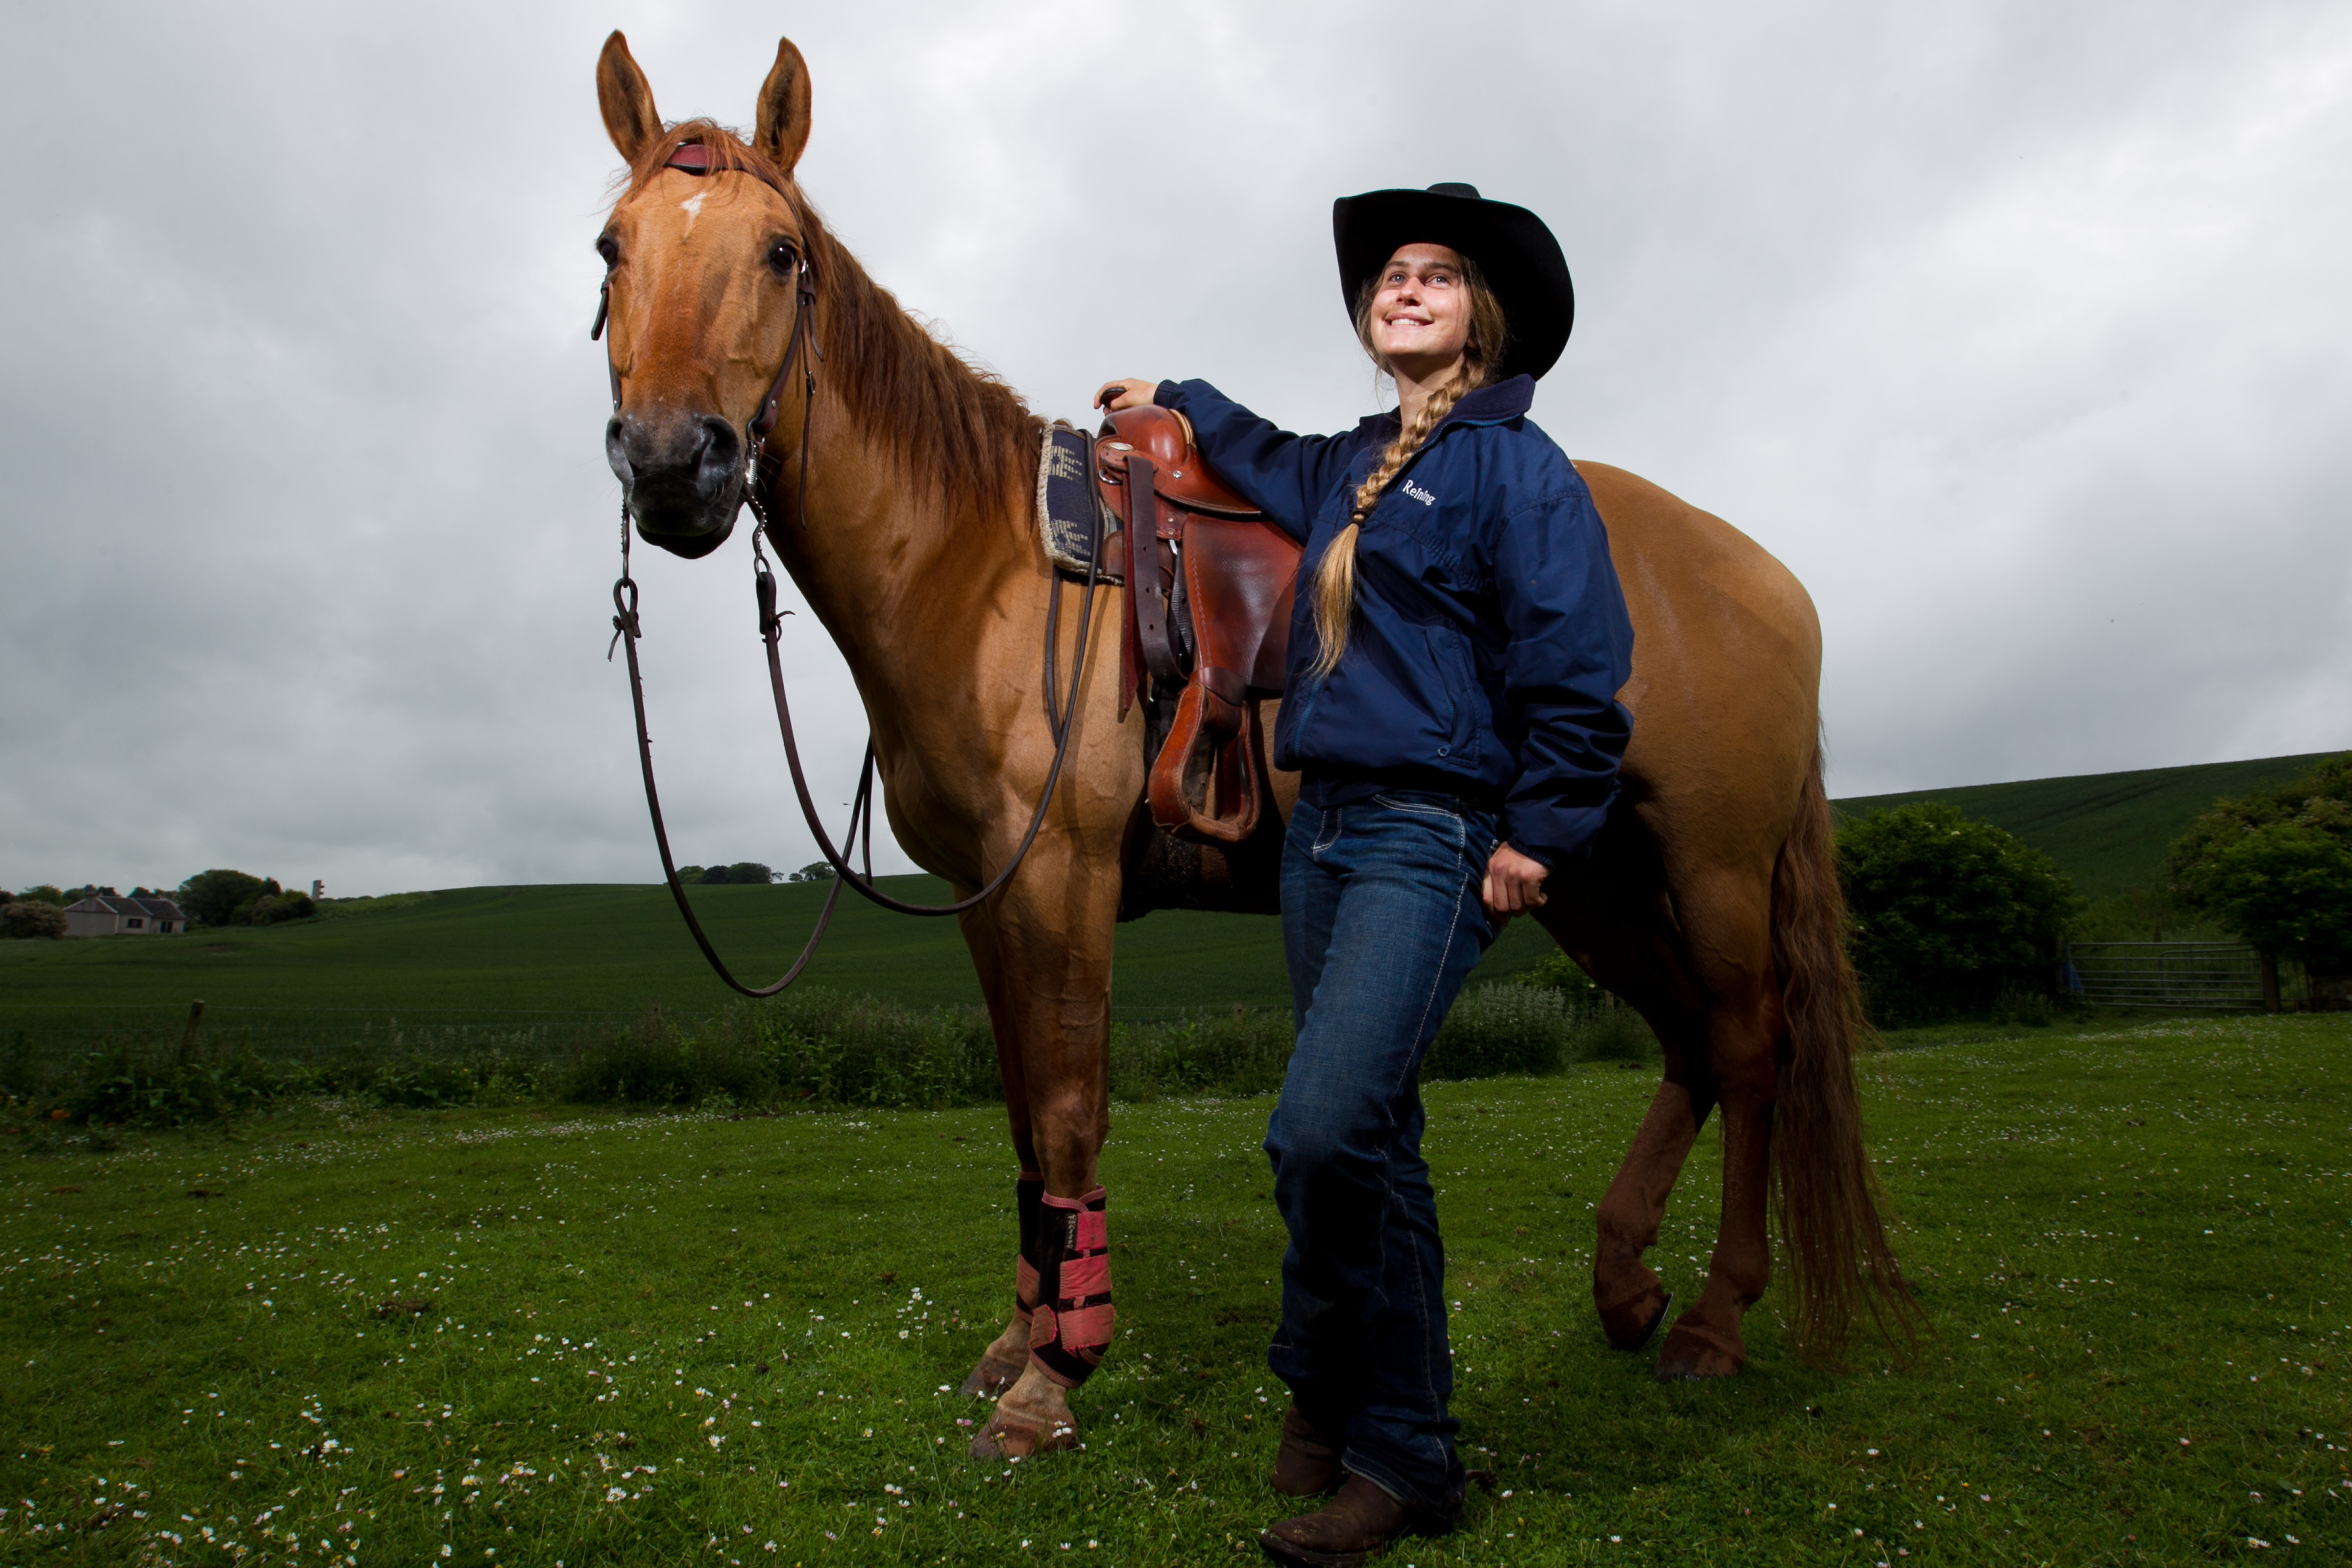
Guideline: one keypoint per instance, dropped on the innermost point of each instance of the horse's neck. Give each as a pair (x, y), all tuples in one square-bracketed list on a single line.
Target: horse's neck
[(887, 561)]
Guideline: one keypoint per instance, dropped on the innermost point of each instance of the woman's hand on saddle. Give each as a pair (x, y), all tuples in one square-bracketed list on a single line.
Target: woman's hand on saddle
[(1513, 883), (1128, 393)]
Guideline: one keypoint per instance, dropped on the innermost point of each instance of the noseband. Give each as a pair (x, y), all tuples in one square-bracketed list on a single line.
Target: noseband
[(695, 158)]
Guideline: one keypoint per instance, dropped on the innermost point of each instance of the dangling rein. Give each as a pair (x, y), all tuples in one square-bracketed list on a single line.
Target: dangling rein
[(695, 158)]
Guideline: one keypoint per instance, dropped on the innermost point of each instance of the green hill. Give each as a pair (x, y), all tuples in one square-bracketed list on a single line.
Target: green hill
[(548, 951), (2109, 831)]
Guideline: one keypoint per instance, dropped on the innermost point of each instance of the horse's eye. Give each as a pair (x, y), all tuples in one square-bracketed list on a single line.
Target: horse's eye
[(783, 258), (609, 248)]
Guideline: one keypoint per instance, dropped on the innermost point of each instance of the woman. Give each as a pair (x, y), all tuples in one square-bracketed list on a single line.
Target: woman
[(1455, 653)]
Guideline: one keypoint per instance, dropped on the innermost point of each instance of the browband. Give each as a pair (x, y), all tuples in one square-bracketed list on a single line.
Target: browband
[(695, 158)]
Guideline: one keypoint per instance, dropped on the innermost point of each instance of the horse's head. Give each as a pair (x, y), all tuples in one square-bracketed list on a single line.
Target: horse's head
[(700, 290)]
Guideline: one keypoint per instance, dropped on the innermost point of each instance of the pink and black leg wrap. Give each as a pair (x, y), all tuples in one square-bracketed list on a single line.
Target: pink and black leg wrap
[(1028, 1195), (1071, 1327)]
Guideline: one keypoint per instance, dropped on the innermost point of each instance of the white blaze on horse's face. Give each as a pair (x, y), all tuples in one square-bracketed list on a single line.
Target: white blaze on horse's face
[(692, 208), (1420, 311)]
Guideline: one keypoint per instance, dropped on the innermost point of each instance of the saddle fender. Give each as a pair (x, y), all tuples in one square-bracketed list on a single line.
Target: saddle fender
[(1209, 581)]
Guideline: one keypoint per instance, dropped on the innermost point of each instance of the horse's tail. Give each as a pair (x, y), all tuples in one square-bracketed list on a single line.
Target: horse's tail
[(1824, 1195)]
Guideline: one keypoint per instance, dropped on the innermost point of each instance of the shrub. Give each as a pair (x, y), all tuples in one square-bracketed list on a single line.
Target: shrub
[(1237, 1053), (274, 906), (1498, 1029), (1558, 971), (2276, 868), (1949, 913), (806, 1045), (24, 922), (1613, 1032)]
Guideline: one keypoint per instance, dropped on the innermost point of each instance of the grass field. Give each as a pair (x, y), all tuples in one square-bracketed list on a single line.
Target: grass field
[(697, 1338)]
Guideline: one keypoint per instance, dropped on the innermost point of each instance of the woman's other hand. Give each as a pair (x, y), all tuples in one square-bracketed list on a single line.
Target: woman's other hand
[(1513, 883), (1128, 393)]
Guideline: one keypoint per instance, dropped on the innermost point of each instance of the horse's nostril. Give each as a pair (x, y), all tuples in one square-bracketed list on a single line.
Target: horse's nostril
[(720, 446), (619, 432)]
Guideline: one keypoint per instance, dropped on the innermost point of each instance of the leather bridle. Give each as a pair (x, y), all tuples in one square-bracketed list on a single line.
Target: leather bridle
[(695, 158)]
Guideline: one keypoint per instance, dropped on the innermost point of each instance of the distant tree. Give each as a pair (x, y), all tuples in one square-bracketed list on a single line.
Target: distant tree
[(213, 898), (224, 898), (42, 893), (2276, 868), (814, 871), (750, 871), (23, 919), (1948, 913), (689, 875)]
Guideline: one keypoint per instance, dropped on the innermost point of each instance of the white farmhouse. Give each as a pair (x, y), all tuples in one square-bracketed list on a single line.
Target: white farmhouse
[(109, 913)]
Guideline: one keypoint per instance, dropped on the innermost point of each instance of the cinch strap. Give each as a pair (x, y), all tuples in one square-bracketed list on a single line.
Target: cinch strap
[(1071, 1326)]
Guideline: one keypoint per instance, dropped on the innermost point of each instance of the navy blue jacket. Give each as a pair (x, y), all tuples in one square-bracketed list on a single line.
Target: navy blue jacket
[(1490, 636)]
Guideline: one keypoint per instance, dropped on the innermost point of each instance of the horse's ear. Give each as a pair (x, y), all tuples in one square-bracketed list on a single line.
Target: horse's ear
[(626, 99), (784, 108)]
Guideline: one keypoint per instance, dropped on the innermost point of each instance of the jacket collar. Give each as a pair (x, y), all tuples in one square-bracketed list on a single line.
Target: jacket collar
[(1495, 405)]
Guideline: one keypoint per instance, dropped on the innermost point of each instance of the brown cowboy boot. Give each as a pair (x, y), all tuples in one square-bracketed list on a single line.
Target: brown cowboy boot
[(1307, 1463), (1353, 1528)]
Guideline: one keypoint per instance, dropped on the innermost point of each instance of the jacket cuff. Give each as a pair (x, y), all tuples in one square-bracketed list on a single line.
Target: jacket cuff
[(1543, 857), (1167, 394)]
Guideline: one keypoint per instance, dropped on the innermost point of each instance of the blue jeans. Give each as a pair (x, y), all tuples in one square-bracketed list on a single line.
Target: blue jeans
[(1380, 921)]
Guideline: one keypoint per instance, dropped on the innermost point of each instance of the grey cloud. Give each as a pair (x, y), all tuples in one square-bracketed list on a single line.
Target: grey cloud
[(2018, 331)]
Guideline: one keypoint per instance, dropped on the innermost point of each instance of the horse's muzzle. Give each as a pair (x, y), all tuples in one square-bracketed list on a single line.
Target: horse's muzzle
[(683, 476)]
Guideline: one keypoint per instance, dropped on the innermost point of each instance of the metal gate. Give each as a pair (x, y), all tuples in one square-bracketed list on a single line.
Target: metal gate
[(2210, 974)]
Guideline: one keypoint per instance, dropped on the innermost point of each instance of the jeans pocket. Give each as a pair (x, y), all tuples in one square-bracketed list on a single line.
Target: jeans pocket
[(1418, 807)]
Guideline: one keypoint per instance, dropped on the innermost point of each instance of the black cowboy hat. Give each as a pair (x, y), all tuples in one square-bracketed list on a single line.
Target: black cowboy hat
[(1518, 256)]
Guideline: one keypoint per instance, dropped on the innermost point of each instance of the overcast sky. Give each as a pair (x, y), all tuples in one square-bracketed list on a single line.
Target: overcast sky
[(2021, 332)]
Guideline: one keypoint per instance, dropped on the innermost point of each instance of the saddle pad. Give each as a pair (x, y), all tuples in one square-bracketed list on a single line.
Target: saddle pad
[(1071, 517)]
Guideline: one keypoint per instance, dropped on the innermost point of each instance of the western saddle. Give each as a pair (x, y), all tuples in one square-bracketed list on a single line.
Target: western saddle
[(1209, 582)]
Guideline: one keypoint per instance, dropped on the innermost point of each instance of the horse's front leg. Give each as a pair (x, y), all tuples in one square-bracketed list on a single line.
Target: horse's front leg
[(1626, 1291), (1744, 1023), (1007, 1356), (1050, 1005), (1620, 928)]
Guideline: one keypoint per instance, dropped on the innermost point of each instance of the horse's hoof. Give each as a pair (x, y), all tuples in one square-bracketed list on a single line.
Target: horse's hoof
[(1695, 1355), (1631, 1324), (1650, 1331), (991, 1376), (1003, 1439)]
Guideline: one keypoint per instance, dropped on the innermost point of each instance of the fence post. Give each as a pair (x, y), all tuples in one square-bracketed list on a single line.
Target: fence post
[(2269, 962), (188, 1040)]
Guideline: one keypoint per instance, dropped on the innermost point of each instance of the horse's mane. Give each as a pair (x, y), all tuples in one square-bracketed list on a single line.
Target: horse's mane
[(960, 430)]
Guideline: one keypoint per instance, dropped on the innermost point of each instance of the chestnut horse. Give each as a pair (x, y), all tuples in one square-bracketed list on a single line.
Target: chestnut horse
[(1710, 903)]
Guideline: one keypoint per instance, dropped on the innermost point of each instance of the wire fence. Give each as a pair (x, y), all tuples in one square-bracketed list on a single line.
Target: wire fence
[(2214, 976)]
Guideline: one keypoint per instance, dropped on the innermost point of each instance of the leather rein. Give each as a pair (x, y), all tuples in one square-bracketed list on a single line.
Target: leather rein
[(695, 158)]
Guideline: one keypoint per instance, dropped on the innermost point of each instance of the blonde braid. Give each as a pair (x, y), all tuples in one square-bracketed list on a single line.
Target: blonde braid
[(1335, 576)]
